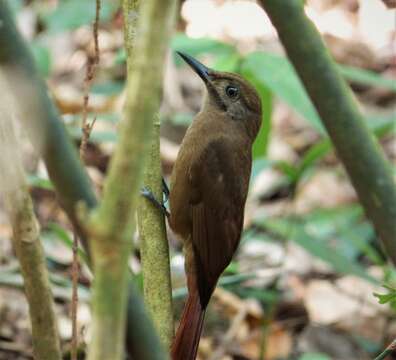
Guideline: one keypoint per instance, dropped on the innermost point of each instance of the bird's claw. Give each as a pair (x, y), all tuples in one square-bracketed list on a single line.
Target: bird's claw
[(147, 193)]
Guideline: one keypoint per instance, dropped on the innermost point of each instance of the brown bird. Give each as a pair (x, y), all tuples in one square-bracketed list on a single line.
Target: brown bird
[(209, 186)]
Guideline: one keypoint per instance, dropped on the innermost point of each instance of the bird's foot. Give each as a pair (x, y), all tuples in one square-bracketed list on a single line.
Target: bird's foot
[(146, 192)]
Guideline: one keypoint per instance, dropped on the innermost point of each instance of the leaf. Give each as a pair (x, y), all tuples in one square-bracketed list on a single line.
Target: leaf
[(181, 119), (313, 155), (389, 298), (379, 125), (39, 182), (308, 237), (71, 14), (287, 169), (62, 235), (260, 145), (63, 291), (366, 77), (15, 6), (382, 125), (229, 63), (276, 73), (314, 356), (108, 88), (355, 240), (42, 58), (198, 46), (258, 166)]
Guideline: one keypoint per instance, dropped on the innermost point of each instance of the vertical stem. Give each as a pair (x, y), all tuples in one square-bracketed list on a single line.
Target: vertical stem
[(26, 242), (154, 247), (131, 16), (47, 133), (111, 225), (356, 147)]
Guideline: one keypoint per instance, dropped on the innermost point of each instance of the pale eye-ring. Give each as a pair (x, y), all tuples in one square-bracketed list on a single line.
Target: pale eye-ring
[(232, 91)]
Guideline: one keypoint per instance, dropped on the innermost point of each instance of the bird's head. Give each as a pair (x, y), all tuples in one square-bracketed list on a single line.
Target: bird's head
[(230, 93)]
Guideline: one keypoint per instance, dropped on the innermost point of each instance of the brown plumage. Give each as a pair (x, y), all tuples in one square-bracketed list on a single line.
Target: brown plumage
[(209, 186)]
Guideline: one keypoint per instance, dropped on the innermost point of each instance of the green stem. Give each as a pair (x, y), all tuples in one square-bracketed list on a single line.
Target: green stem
[(154, 247), (355, 145), (41, 119), (27, 246), (111, 225), (49, 137), (391, 349)]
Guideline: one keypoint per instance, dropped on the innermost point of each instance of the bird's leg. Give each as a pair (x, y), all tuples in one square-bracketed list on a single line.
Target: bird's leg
[(146, 192)]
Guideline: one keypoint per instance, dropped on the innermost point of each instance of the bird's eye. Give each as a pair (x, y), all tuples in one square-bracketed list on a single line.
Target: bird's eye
[(231, 91)]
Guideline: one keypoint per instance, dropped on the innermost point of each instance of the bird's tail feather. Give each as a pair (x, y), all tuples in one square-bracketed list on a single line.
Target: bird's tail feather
[(185, 344)]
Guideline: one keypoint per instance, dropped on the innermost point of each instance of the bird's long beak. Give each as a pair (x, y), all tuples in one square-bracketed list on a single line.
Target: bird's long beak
[(202, 71)]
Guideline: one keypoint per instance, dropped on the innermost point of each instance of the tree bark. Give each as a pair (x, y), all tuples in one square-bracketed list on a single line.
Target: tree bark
[(154, 247)]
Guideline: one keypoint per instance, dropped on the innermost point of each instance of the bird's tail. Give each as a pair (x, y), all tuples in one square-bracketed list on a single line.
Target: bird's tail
[(185, 344)]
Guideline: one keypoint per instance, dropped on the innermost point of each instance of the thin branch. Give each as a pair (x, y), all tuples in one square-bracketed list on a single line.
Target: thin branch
[(356, 147), (74, 298), (89, 76), (86, 132), (26, 243), (390, 350)]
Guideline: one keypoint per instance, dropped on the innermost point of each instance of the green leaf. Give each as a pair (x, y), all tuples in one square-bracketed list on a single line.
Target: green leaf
[(366, 77), (382, 125), (15, 5), (61, 234), (314, 154), (181, 119), (198, 46), (260, 145), (71, 14), (229, 63), (287, 169), (314, 356), (42, 58), (311, 239), (379, 125), (389, 298), (108, 88), (276, 73), (258, 166), (39, 182)]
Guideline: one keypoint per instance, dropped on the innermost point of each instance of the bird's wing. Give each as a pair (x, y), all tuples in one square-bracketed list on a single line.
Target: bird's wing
[(220, 181)]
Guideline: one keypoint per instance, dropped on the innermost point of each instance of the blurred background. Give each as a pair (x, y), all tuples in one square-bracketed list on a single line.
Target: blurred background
[(310, 280)]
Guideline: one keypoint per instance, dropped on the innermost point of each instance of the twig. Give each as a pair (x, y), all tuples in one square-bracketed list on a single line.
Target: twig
[(390, 350), (86, 129), (74, 299), (89, 76)]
